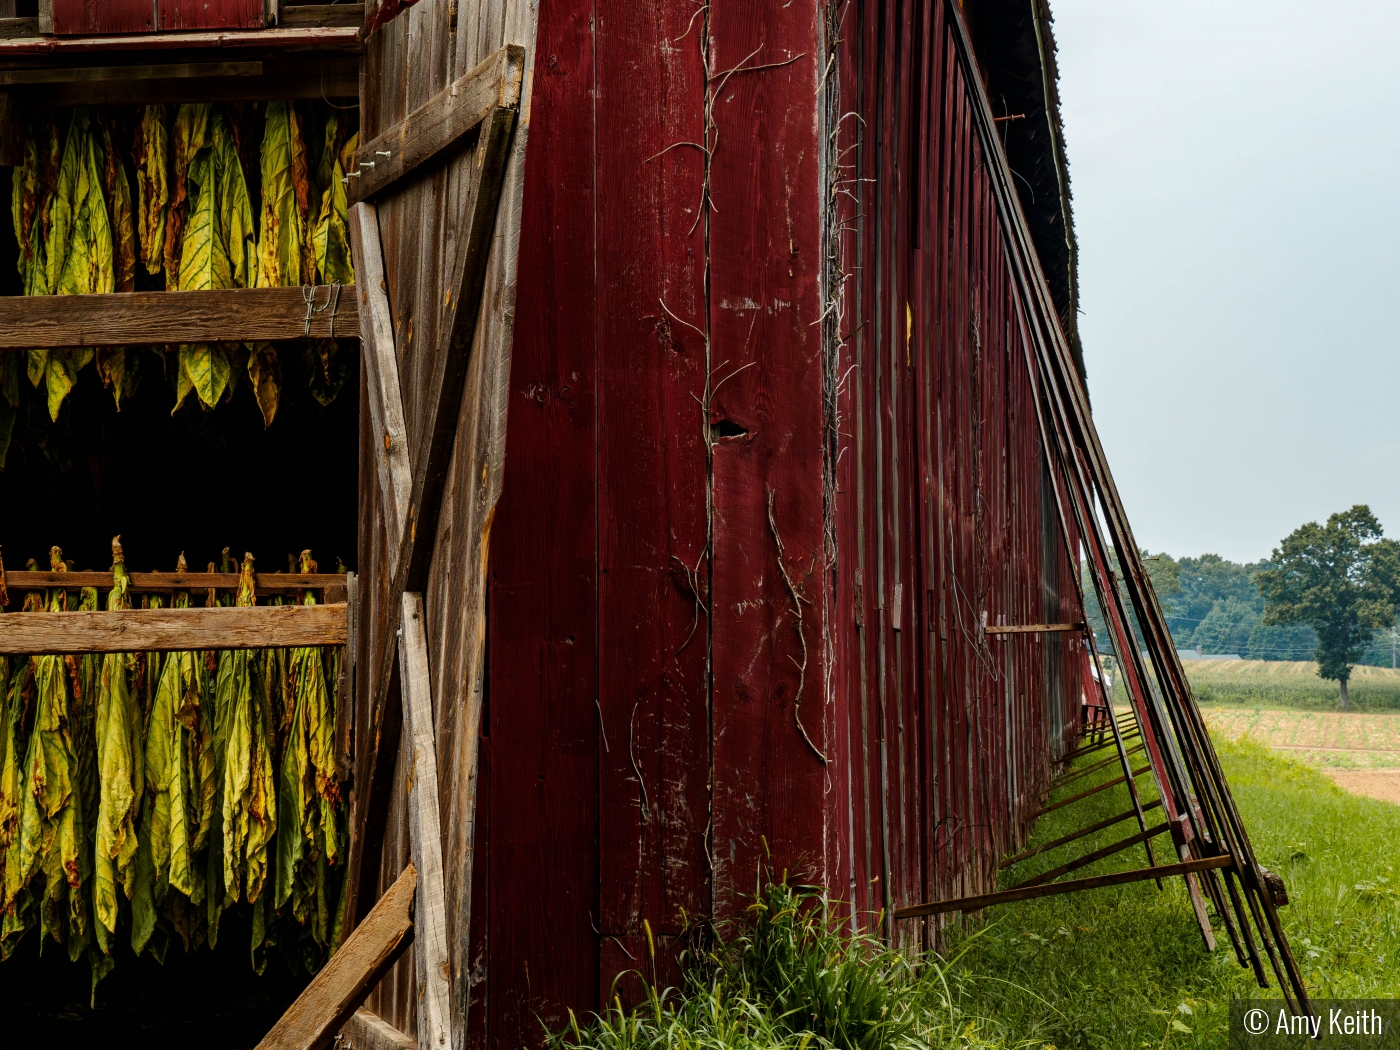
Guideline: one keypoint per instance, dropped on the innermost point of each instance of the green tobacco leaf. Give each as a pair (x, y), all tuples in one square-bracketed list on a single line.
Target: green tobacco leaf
[(204, 258), (191, 130), (236, 223), (265, 371), (206, 369), (282, 222)]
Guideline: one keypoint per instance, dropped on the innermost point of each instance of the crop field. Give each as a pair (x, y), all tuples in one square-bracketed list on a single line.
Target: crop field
[(1287, 684), (1320, 738)]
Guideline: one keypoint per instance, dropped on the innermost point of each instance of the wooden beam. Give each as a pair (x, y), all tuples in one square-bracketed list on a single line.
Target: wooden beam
[(367, 1031), (322, 15), (440, 124), (170, 630), (164, 582), (442, 403), (336, 992), (283, 77), (1037, 628), (232, 315), (381, 374), (1022, 893), (18, 27), (305, 38), (170, 71), (1091, 791), (1097, 855), (432, 963)]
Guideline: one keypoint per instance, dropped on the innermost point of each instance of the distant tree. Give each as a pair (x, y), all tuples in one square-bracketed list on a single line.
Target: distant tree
[(1203, 581), (1166, 582), (1293, 642), (1342, 579), (1227, 627)]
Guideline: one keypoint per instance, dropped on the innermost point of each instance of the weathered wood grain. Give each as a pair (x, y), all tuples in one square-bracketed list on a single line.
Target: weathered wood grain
[(433, 129), (169, 630), (18, 27), (1036, 628), (433, 964), (263, 582), (303, 38), (381, 373), (230, 315), (187, 15), (333, 996), (368, 1031), (78, 17), (323, 15), (441, 405)]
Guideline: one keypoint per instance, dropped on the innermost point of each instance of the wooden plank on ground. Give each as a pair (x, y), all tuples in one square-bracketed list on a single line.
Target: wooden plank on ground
[(333, 996), (170, 630), (230, 316), (302, 38), (1022, 893), (439, 125), (381, 374), (433, 965), (369, 1031), (161, 582)]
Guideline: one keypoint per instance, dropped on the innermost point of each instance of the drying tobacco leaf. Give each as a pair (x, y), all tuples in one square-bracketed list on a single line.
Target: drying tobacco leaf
[(265, 373), (118, 194), (191, 127), (121, 765), (331, 235), (249, 791), (152, 189), (25, 208), (119, 368), (282, 229)]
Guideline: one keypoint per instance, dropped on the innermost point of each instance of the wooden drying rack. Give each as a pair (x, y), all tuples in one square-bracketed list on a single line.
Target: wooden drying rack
[(171, 630)]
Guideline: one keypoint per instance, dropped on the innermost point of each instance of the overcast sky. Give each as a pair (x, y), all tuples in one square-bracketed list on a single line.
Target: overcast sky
[(1236, 176)]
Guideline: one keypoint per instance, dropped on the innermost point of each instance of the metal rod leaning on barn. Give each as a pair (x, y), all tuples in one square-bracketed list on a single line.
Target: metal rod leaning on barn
[(1195, 794), (1073, 836)]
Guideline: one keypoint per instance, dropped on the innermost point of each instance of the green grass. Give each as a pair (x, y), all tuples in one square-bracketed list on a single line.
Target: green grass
[(1285, 684), (1113, 968)]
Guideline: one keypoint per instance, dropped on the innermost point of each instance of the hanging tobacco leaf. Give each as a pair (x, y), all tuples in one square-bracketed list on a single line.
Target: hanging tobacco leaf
[(249, 790), (152, 189), (331, 235), (118, 195), (282, 229), (265, 372), (191, 128), (25, 209), (119, 368), (121, 765)]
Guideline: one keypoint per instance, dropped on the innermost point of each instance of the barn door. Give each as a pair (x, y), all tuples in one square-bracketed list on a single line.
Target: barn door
[(434, 221)]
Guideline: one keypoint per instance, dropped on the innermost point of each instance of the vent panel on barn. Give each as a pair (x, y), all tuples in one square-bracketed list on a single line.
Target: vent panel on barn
[(179, 368)]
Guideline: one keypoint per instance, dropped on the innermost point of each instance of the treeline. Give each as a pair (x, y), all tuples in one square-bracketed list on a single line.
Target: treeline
[(1216, 604)]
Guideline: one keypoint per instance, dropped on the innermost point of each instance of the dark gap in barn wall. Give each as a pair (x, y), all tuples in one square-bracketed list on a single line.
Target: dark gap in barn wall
[(195, 482)]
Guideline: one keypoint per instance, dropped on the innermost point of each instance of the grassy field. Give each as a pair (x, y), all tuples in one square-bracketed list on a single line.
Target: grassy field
[(1119, 969), (1327, 739), (1285, 684)]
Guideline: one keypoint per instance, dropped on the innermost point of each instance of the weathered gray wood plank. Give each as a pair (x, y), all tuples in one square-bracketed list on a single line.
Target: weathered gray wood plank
[(439, 125), (333, 996), (381, 372), (433, 966), (368, 1031)]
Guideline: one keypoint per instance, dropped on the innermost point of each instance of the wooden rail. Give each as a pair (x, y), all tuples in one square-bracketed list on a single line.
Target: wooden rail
[(1022, 893), (296, 38), (1037, 628), (233, 315), (165, 582), (171, 630)]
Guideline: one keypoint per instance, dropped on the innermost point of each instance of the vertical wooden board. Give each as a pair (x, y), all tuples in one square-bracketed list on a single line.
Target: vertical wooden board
[(652, 631), (96, 17), (766, 263), (543, 594), (210, 14), (394, 999)]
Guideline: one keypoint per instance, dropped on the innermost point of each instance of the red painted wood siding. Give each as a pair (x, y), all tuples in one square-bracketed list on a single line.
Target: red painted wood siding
[(97, 17), (210, 14), (676, 369)]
